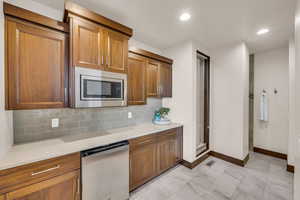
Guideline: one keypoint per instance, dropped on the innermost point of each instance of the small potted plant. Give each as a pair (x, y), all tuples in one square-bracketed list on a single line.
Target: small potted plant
[(161, 116)]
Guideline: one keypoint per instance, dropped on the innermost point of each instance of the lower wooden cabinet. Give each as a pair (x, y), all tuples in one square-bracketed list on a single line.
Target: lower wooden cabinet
[(65, 187), (167, 150), (143, 164), (53, 179), (151, 155), (179, 150)]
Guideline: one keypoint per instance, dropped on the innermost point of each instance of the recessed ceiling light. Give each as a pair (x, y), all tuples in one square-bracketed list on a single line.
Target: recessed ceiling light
[(185, 17), (263, 31)]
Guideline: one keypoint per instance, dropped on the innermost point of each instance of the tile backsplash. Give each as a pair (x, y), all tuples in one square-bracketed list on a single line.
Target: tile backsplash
[(35, 125)]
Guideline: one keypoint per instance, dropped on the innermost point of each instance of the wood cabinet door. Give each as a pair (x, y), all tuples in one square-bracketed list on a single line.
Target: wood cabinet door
[(167, 151), (88, 44), (165, 76), (36, 66), (1, 197), (65, 187), (179, 147), (153, 78), (143, 164), (116, 52), (136, 80)]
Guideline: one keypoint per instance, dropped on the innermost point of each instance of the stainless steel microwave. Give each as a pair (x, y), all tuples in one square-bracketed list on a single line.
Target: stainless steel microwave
[(97, 88)]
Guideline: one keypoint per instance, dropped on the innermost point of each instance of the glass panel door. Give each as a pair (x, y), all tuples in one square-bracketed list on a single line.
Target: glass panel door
[(202, 105)]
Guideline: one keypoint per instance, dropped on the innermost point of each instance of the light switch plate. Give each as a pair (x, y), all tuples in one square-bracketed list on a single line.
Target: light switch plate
[(129, 115), (55, 123)]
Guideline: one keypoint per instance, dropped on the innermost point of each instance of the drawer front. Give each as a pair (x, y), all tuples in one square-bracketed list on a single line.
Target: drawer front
[(14, 178), (169, 134), (142, 141)]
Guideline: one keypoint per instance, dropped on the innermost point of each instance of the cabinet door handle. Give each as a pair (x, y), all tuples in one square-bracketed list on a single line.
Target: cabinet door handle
[(78, 186), (44, 171), (107, 61), (66, 93), (102, 60), (160, 90)]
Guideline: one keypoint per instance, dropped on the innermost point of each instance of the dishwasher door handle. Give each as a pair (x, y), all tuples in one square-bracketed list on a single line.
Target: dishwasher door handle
[(113, 146)]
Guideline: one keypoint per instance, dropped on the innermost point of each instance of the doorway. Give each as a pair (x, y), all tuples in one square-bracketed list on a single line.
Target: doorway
[(203, 102)]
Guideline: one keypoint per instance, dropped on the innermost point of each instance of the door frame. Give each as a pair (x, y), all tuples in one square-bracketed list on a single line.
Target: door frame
[(206, 100)]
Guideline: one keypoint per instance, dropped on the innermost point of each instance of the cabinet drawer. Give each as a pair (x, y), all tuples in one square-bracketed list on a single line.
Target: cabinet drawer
[(17, 177), (142, 141), (172, 133), (64, 187)]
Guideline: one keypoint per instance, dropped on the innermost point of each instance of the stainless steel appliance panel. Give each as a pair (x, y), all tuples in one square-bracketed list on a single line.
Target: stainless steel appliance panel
[(97, 88), (105, 173)]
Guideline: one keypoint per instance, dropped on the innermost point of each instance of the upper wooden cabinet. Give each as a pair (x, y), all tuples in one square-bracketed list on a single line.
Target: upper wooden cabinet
[(158, 73), (97, 47), (88, 44), (97, 42), (116, 52), (36, 66), (153, 86), (159, 79), (136, 80), (165, 80), (36, 51)]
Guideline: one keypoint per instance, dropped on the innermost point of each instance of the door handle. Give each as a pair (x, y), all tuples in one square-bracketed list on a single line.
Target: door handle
[(44, 171)]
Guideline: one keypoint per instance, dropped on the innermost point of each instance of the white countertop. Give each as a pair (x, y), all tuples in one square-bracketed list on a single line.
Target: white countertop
[(43, 150)]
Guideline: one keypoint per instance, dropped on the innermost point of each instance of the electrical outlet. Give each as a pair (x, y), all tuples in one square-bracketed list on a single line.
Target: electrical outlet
[(55, 123), (129, 115)]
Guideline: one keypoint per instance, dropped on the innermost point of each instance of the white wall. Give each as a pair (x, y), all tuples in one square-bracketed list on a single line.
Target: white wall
[(271, 71), (229, 97), (38, 8), (141, 45), (230, 68), (181, 103), (6, 133), (297, 99), (245, 74), (292, 104)]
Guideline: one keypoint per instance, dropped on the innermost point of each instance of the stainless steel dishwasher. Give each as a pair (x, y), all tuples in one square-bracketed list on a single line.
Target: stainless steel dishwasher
[(105, 172)]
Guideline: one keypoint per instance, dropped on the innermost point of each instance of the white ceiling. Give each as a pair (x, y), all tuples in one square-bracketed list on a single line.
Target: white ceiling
[(214, 23)]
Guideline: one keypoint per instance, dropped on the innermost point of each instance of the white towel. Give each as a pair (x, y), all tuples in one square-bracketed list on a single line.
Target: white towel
[(264, 107)]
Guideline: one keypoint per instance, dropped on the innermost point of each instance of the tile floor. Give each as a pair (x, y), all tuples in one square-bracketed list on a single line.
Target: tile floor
[(263, 178)]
